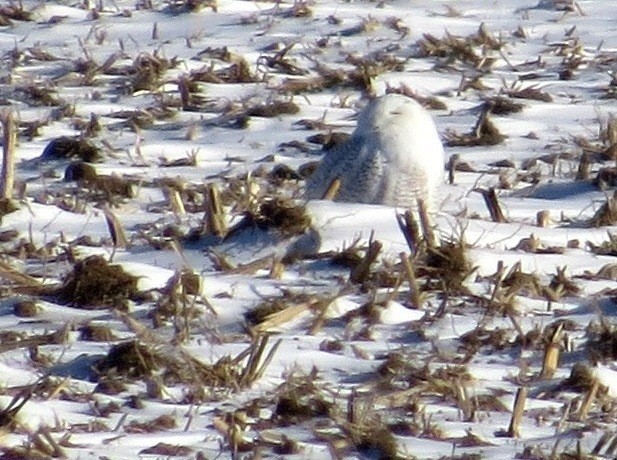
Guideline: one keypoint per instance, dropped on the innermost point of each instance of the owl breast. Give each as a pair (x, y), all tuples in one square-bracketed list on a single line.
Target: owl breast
[(393, 157)]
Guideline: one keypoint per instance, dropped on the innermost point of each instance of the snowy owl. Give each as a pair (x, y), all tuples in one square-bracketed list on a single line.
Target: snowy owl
[(393, 157)]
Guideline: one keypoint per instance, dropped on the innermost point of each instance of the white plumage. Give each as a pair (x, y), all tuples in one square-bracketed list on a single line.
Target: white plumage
[(393, 157)]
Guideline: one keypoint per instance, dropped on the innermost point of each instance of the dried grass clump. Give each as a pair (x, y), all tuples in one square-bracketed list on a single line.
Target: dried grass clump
[(165, 450), (96, 186), (279, 214), (40, 96), (449, 264), (191, 6), (601, 345), (503, 106), (606, 214), (365, 70), (561, 285), (144, 359), (484, 133), (147, 70), (238, 72), (606, 178), (273, 109), (66, 147), (475, 50), (95, 283), (530, 92), (281, 63), (581, 378), (300, 399), (7, 206), (518, 282), (131, 359), (264, 310), (161, 423), (13, 11), (372, 438)]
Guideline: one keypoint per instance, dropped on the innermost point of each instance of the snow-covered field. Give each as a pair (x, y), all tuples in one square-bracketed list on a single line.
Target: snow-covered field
[(165, 290)]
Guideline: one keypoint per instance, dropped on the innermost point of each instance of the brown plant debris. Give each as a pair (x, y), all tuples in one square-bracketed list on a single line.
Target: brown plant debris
[(163, 449), (147, 70), (135, 359), (601, 345), (273, 109), (238, 72), (95, 283), (299, 399), (160, 423), (449, 265), (607, 248), (530, 92), (606, 214), (99, 186), (475, 50), (7, 206), (484, 133), (503, 105), (191, 6), (278, 214), (606, 178), (14, 11), (71, 148), (129, 359)]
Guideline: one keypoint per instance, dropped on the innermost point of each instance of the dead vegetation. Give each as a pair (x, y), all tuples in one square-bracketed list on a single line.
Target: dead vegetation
[(479, 50), (276, 214), (95, 283), (145, 360), (484, 133), (64, 147)]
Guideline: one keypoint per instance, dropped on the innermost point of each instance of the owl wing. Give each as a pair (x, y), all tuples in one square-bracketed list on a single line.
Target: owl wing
[(358, 164)]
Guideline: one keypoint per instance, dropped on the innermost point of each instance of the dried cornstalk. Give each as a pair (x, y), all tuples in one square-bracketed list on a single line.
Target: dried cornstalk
[(279, 318), (115, 229), (9, 272), (425, 221), (53, 338), (590, 397), (551, 354), (320, 309), (175, 201), (185, 95), (517, 412), (255, 365), (9, 139), (452, 164), (332, 190), (492, 203), (583, 167), (608, 438), (214, 218), (277, 268), (191, 282), (409, 226), (543, 218), (415, 296), (360, 272)]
